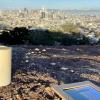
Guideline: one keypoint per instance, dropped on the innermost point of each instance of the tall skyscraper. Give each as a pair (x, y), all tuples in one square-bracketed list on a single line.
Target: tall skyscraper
[(43, 12)]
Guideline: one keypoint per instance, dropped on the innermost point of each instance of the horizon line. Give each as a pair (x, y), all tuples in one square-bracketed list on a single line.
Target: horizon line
[(46, 8)]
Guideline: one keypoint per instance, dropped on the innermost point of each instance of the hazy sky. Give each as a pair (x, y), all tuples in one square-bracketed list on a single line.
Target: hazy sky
[(55, 4)]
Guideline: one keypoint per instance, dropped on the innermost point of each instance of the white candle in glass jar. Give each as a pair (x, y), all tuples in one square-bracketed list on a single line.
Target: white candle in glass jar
[(5, 65)]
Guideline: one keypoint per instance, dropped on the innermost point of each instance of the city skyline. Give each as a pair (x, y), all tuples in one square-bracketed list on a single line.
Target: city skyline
[(51, 4)]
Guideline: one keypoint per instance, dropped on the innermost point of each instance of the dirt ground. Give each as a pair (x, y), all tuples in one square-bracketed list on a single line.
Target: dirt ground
[(36, 68)]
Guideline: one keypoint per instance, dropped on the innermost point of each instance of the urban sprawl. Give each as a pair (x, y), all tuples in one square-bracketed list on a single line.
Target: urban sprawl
[(88, 21)]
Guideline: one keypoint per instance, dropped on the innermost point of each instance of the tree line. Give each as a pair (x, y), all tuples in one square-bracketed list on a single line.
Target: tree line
[(22, 35)]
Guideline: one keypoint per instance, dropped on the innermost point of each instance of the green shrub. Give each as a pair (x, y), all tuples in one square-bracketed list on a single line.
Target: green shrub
[(41, 38), (70, 28), (74, 39)]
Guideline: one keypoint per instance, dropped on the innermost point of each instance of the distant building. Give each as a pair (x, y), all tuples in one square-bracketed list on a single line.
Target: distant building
[(25, 10), (0, 13), (43, 12)]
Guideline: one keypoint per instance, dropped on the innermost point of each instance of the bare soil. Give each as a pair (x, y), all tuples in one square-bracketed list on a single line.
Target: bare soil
[(36, 68)]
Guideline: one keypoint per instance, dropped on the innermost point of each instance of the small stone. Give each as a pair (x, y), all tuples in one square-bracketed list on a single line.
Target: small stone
[(53, 64), (18, 97), (54, 55), (64, 49), (26, 57), (27, 61), (39, 52), (72, 71), (36, 49), (64, 68), (28, 53), (44, 50)]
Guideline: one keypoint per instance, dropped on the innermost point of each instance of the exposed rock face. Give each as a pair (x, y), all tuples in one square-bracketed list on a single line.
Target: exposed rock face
[(34, 70)]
